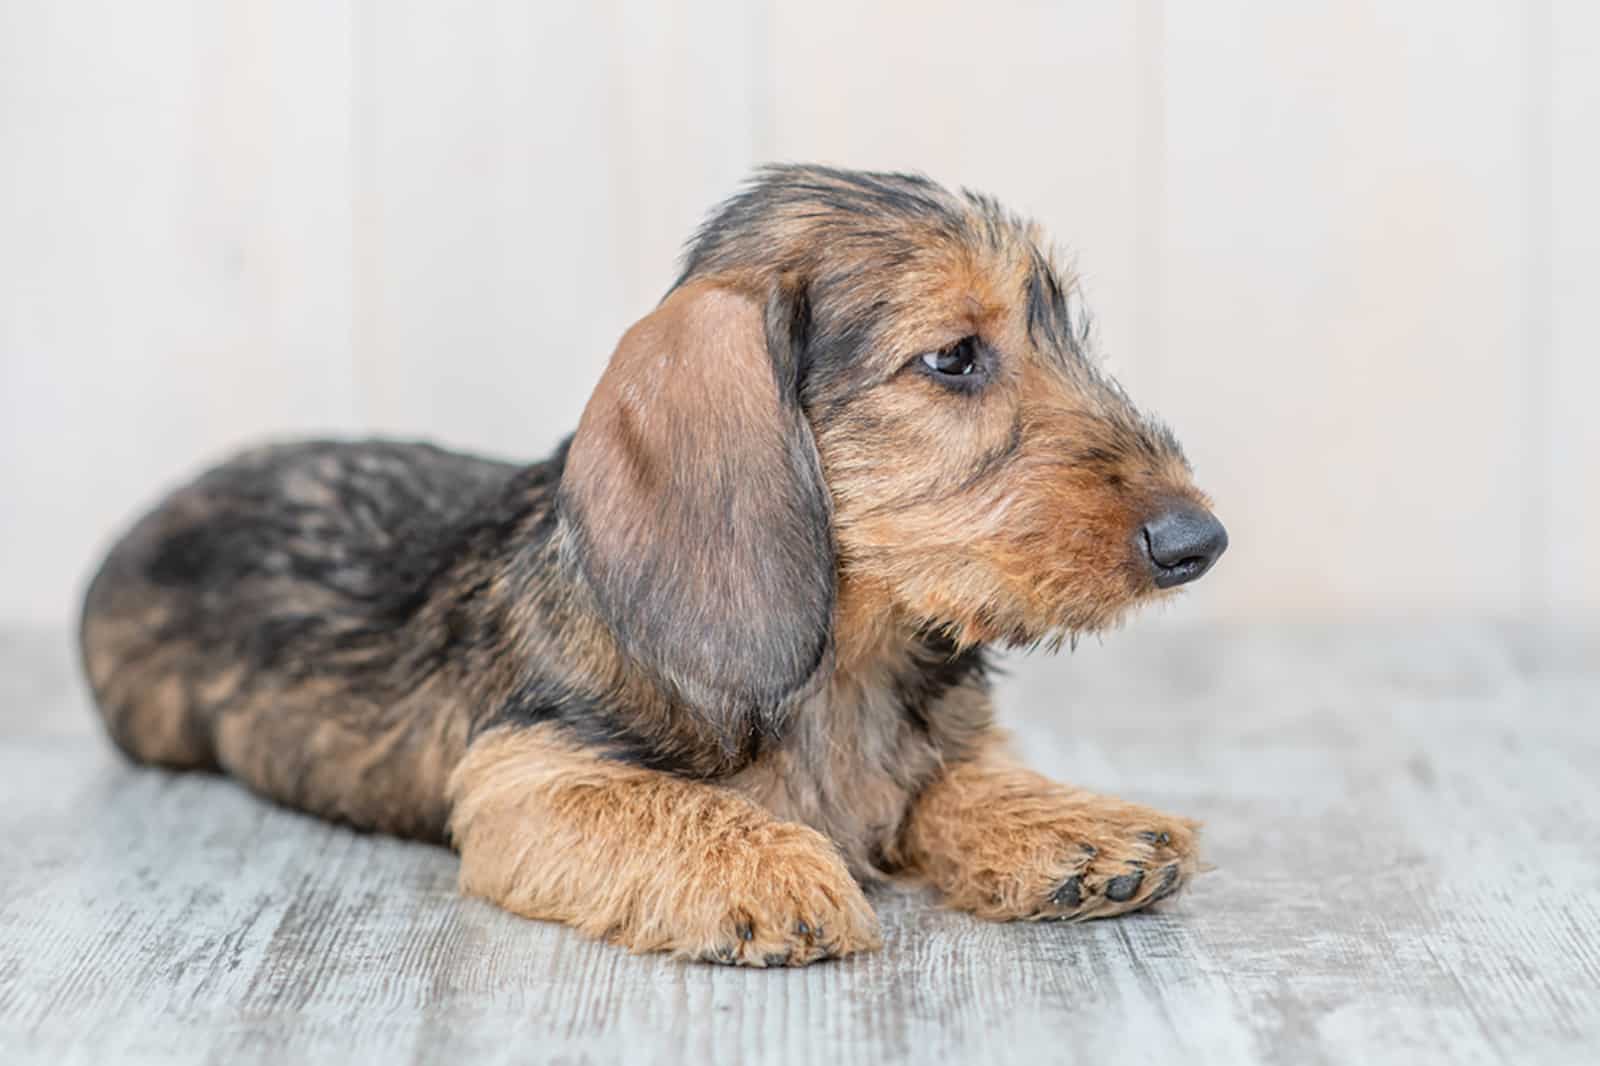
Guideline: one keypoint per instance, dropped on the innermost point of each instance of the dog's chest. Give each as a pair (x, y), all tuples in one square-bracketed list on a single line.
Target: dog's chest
[(851, 762)]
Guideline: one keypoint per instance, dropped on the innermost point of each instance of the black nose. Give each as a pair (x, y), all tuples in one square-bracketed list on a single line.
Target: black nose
[(1181, 543)]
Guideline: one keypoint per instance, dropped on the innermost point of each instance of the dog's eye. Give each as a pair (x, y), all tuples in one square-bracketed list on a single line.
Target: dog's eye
[(960, 360)]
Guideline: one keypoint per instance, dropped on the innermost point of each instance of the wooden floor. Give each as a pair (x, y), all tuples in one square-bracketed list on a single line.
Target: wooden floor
[(1405, 824)]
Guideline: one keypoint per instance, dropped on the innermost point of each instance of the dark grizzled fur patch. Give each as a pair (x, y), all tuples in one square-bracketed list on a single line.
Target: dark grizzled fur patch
[(939, 667), (309, 554), (594, 722)]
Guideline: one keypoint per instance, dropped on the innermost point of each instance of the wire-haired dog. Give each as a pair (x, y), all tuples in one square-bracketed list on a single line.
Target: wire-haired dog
[(719, 661)]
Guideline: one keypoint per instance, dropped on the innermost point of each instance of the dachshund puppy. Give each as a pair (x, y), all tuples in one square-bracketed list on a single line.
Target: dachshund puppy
[(695, 679)]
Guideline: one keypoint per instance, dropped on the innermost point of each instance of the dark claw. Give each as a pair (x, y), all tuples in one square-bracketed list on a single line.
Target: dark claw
[(802, 928), (1169, 883), (1122, 889), (746, 931), (1157, 838), (1089, 850), (1070, 892)]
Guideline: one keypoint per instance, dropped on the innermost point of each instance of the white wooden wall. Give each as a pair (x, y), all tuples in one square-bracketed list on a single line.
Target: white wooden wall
[(1350, 250)]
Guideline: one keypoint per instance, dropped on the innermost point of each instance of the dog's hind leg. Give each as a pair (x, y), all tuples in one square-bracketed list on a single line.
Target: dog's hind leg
[(646, 859)]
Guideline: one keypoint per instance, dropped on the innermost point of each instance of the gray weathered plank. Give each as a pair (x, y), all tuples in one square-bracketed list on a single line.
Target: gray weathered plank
[(1402, 821)]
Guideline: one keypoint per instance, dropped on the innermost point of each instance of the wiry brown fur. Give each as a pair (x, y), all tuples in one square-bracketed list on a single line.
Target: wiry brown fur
[(720, 660), (649, 860), (1004, 842)]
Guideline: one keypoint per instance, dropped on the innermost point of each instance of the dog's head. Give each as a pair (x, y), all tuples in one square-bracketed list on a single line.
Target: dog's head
[(865, 378)]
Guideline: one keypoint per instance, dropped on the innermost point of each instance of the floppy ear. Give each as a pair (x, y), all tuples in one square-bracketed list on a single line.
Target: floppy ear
[(701, 520)]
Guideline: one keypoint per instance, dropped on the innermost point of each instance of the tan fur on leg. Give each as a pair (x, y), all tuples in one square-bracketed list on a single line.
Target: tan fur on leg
[(647, 860), (1004, 842)]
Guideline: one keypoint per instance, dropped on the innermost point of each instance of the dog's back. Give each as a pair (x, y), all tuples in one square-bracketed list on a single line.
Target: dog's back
[(286, 561)]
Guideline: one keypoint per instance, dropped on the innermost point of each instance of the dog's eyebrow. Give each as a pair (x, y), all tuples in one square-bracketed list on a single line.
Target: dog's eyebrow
[(1048, 318), (1058, 324)]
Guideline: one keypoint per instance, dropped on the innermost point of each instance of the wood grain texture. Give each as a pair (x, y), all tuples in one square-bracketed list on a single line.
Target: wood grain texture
[(1408, 871)]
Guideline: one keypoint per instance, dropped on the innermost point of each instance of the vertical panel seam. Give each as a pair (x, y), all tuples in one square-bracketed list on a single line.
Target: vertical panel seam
[(763, 85), (362, 193), (1538, 581), (1150, 163)]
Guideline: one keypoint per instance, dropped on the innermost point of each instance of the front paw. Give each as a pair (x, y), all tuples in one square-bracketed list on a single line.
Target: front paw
[(1058, 854), (1127, 863), (781, 897)]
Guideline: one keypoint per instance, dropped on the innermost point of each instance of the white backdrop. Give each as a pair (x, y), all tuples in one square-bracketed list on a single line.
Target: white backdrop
[(1351, 251)]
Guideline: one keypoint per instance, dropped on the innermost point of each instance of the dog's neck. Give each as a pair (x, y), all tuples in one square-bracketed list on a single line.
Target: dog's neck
[(870, 629), (867, 628)]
